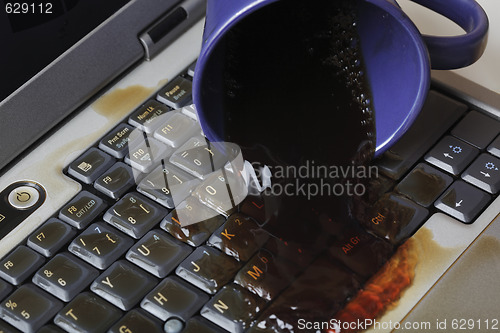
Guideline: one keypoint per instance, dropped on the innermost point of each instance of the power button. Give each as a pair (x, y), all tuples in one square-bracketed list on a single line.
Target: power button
[(23, 197)]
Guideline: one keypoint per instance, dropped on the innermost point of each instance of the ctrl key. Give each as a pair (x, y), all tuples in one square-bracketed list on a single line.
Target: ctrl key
[(28, 308), (463, 201)]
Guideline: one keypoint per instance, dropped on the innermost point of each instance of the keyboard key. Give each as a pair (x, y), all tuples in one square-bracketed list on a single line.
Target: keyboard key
[(123, 285), (424, 184), (484, 173), (176, 93), (452, 155), (90, 165), (146, 153), (115, 142), (394, 218), (6, 328), (193, 234), (20, 264), (87, 313), (134, 215), (29, 308), (208, 269), (191, 69), (50, 237), (477, 129), (266, 275), (82, 209), (174, 298), (360, 252), (168, 185), (201, 325), (64, 276), (437, 115), (146, 117), (233, 308), (222, 191), (116, 181), (462, 201), (240, 237), (494, 147), (176, 129), (158, 253), (190, 111), (317, 294), (198, 157), (137, 321), (100, 245)]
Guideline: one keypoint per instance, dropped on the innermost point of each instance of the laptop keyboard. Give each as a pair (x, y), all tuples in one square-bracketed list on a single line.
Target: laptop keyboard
[(115, 258)]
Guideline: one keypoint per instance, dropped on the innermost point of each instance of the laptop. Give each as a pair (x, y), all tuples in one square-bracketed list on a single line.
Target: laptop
[(67, 115)]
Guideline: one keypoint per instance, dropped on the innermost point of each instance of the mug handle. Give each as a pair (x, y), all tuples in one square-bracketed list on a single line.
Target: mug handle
[(462, 50)]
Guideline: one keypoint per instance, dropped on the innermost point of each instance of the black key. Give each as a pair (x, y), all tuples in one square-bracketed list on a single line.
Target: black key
[(116, 181), (135, 215), (437, 115), (174, 298), (208, 269), (494, 147), (29, 308), (194, 234), (137, 321), (424, 184), (394, 218), (462, 201), (477, 129), (167, 185), (50, 237), (5, 289), (240, 237), (87, 313), (158, 253), (6, 328), (360, 252), (145, 117), (90, 165), (484, 172), (176, 93), (198, 157), (123, 285), (20, 264), (233, 308), (266, 275), (316, 295), (100, 245), (82, 209), (115, 142), (452, 155), (146, 153), (64, 276), (201, 325)]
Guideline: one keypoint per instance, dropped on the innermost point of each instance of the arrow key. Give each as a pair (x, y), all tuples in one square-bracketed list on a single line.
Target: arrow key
[(451, 155), (463, 201), (484, 173)]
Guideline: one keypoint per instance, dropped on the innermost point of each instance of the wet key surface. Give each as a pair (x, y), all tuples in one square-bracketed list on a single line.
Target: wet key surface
[(145, 117), (115, 181), (82, 209), (137, 321), (115, 142), (233, 308), (208, 269), (240, 237)]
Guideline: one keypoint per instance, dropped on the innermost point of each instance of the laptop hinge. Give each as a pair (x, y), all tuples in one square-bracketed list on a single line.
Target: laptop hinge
[(170, 26)]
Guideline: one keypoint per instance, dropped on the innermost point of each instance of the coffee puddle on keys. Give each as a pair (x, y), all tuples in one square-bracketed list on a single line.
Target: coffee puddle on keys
[(297, 101)]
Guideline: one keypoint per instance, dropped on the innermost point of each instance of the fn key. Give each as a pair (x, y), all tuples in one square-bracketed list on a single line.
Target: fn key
[(462, 201)]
